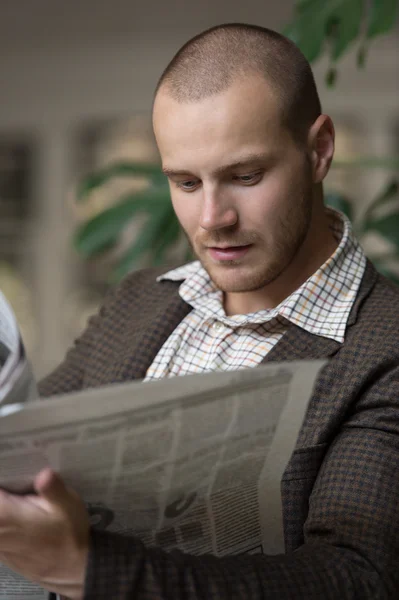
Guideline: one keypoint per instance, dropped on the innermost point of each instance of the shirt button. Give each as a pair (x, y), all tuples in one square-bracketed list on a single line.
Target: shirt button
[(218, 326)]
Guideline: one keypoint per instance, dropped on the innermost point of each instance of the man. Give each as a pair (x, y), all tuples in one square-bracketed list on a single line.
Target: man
[(245, 147)]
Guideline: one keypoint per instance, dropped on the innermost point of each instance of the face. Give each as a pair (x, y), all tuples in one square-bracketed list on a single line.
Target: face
[(241, 188)]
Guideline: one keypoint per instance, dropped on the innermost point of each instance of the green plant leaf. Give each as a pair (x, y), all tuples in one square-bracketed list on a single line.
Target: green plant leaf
[(317, 20), (339, 202), (92, 235), (382, 17), (121, 169), (144, 243), (331, 77), (387, 227), (308, 28), (349, 21), (390, 191), (189, 254), (339, 22), (305, 4), (107, 246), (308, 40), (384, 259), (382, 264), (381, 268), (169, 236), (292, 32)]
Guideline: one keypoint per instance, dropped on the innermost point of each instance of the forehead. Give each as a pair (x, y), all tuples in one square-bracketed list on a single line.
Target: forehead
[(245, 117)]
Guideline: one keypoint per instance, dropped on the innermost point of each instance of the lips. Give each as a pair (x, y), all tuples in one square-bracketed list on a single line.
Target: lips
[(228, 253)]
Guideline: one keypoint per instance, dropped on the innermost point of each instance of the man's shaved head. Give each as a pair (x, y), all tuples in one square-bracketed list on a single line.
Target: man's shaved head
[(210, 62)]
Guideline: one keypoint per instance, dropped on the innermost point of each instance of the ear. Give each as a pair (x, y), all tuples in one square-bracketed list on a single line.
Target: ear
[(321, 147)]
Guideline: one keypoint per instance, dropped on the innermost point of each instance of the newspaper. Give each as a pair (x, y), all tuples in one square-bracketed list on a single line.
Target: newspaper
[(190, 462)]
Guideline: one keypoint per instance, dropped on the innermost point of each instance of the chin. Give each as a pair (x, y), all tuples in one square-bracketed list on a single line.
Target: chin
[(234, 279)]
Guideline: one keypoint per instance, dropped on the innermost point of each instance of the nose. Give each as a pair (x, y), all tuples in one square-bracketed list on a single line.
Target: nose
[(217, 211)]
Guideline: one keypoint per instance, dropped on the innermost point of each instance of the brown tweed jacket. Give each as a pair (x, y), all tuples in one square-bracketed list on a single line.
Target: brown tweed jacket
[(341, 487)]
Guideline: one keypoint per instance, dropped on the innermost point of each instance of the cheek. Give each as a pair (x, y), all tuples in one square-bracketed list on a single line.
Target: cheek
[(281, 185), (264, 206), (187, 211), (278, 195)]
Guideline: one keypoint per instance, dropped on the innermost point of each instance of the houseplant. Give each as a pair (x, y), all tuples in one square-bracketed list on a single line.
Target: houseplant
[(317, 27)]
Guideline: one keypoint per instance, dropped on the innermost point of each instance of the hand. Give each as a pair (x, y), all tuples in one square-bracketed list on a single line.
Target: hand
[(45, 538)]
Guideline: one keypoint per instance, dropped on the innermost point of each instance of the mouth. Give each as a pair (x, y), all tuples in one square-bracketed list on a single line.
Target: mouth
[(226, 253)]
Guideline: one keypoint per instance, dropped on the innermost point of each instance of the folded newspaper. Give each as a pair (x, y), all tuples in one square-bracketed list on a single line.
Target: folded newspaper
[(190, 462)]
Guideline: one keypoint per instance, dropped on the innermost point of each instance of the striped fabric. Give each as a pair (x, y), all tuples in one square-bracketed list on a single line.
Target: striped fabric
[(208, 340)]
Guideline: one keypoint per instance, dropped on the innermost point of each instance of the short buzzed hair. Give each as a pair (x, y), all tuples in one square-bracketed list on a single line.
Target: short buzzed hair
[(211, 61)]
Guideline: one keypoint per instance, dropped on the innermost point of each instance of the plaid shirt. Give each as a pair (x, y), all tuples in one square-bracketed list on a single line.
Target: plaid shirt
[(208, 340)]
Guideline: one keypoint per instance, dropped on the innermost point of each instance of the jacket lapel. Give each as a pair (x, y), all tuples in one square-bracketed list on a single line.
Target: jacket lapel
[(157, 321), (299, 344)]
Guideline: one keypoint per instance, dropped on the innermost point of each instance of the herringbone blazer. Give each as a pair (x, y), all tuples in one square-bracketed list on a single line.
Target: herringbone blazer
[(340, 490)]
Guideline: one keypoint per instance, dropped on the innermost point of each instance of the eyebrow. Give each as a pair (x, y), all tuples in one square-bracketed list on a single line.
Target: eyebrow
[(243, 162)]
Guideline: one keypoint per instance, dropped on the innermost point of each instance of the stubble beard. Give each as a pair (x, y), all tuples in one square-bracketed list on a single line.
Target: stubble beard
[(240, 276)]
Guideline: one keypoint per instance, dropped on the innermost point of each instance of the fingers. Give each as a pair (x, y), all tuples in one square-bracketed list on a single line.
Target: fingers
[(43, 479), (9, 507), (50, 486), (59, 498)]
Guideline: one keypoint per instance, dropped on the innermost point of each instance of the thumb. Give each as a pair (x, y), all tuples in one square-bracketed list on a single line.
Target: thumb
[(50, 486)]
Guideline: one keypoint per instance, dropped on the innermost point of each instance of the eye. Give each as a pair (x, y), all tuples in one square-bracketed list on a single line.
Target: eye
[(249, 179), (188, 186)]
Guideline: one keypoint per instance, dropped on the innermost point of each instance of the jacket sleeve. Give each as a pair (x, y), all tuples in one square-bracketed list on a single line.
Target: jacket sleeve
[(90, 350), (351, 546)]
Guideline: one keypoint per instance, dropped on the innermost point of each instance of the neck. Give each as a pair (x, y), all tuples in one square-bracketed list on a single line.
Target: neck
[(317, 247)]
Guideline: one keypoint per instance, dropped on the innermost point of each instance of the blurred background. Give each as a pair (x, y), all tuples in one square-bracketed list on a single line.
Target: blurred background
[(77, 80)]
